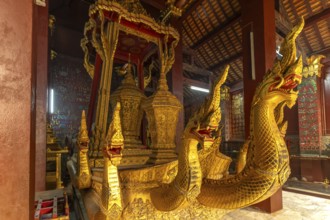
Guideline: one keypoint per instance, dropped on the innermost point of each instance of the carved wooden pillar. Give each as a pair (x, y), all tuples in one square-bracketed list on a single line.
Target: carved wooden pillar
[(258, 23)]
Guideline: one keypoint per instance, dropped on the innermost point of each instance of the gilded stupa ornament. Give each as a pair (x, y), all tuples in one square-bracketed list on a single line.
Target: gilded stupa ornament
[(130, 98), (162, 110)]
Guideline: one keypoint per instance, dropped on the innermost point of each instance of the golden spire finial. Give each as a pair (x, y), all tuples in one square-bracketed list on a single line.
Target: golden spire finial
[(83, 132)]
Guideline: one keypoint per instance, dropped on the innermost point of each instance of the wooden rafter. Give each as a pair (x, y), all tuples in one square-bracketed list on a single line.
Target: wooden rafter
[(220, 51), (324, 51), (195, 23), (317, 33), (202, 55), (226, 61), (325, 14), (216, 31), (192, 8), (233, 70)]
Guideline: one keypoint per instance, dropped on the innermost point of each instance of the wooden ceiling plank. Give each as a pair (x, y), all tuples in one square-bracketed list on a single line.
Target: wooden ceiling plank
[(234, 71), (197, 27), (226, 61), (202, 55), (206, 15), (191, 9), (212, 9), (325, 14), (193, 19), (319, 37), (216, 31), (231, 6), (223, 10), (324, 51), (315, 29), (191, 31), (203, 23)]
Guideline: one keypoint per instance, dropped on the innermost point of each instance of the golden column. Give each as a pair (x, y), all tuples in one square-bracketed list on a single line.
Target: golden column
[(106, 47), (162, 110)]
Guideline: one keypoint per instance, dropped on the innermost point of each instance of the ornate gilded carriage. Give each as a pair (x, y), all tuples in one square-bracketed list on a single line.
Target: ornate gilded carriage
[(119, 178)]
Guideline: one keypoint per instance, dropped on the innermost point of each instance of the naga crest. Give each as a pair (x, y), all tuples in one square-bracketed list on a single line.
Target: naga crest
[(207, 118)]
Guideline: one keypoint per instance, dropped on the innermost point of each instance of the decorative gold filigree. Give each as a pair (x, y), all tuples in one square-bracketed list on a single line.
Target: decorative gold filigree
[(314, 66)]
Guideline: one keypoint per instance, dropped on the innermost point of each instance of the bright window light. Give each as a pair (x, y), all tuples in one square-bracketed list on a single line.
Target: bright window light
[(51, 101), (278, 51), (199, 89)]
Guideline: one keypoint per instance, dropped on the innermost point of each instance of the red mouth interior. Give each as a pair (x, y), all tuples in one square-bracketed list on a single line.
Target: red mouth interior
[(115, 151), (205, 133), (290, 83)]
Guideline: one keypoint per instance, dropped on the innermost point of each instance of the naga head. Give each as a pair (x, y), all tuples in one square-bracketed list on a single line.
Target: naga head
[(83, 139), (203, 125), (279, 83), (114, 142)]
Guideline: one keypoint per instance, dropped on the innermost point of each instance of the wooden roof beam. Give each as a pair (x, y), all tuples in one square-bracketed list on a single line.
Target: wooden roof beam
[(324, 51), (215, 32), (196, 70), (317, 17), (226, 61)]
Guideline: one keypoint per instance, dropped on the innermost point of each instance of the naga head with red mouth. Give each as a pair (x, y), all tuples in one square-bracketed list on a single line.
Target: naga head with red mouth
[(279, 86), (114, 152), (114, 143), (204, 125)]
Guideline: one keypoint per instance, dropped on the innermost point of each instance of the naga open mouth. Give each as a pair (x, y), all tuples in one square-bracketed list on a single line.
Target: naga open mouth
[(290, 83), (114, 151), (205, 134)]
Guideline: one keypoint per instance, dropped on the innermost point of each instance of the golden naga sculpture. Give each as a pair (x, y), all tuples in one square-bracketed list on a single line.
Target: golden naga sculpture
[(197, 184), (83, 178), (267, 161)]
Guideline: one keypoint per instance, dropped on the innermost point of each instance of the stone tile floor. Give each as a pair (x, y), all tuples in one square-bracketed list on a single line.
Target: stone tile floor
[(295, 207)]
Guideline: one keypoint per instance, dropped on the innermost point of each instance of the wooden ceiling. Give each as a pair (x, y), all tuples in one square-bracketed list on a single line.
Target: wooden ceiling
[(211, 32), (211, 28)]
